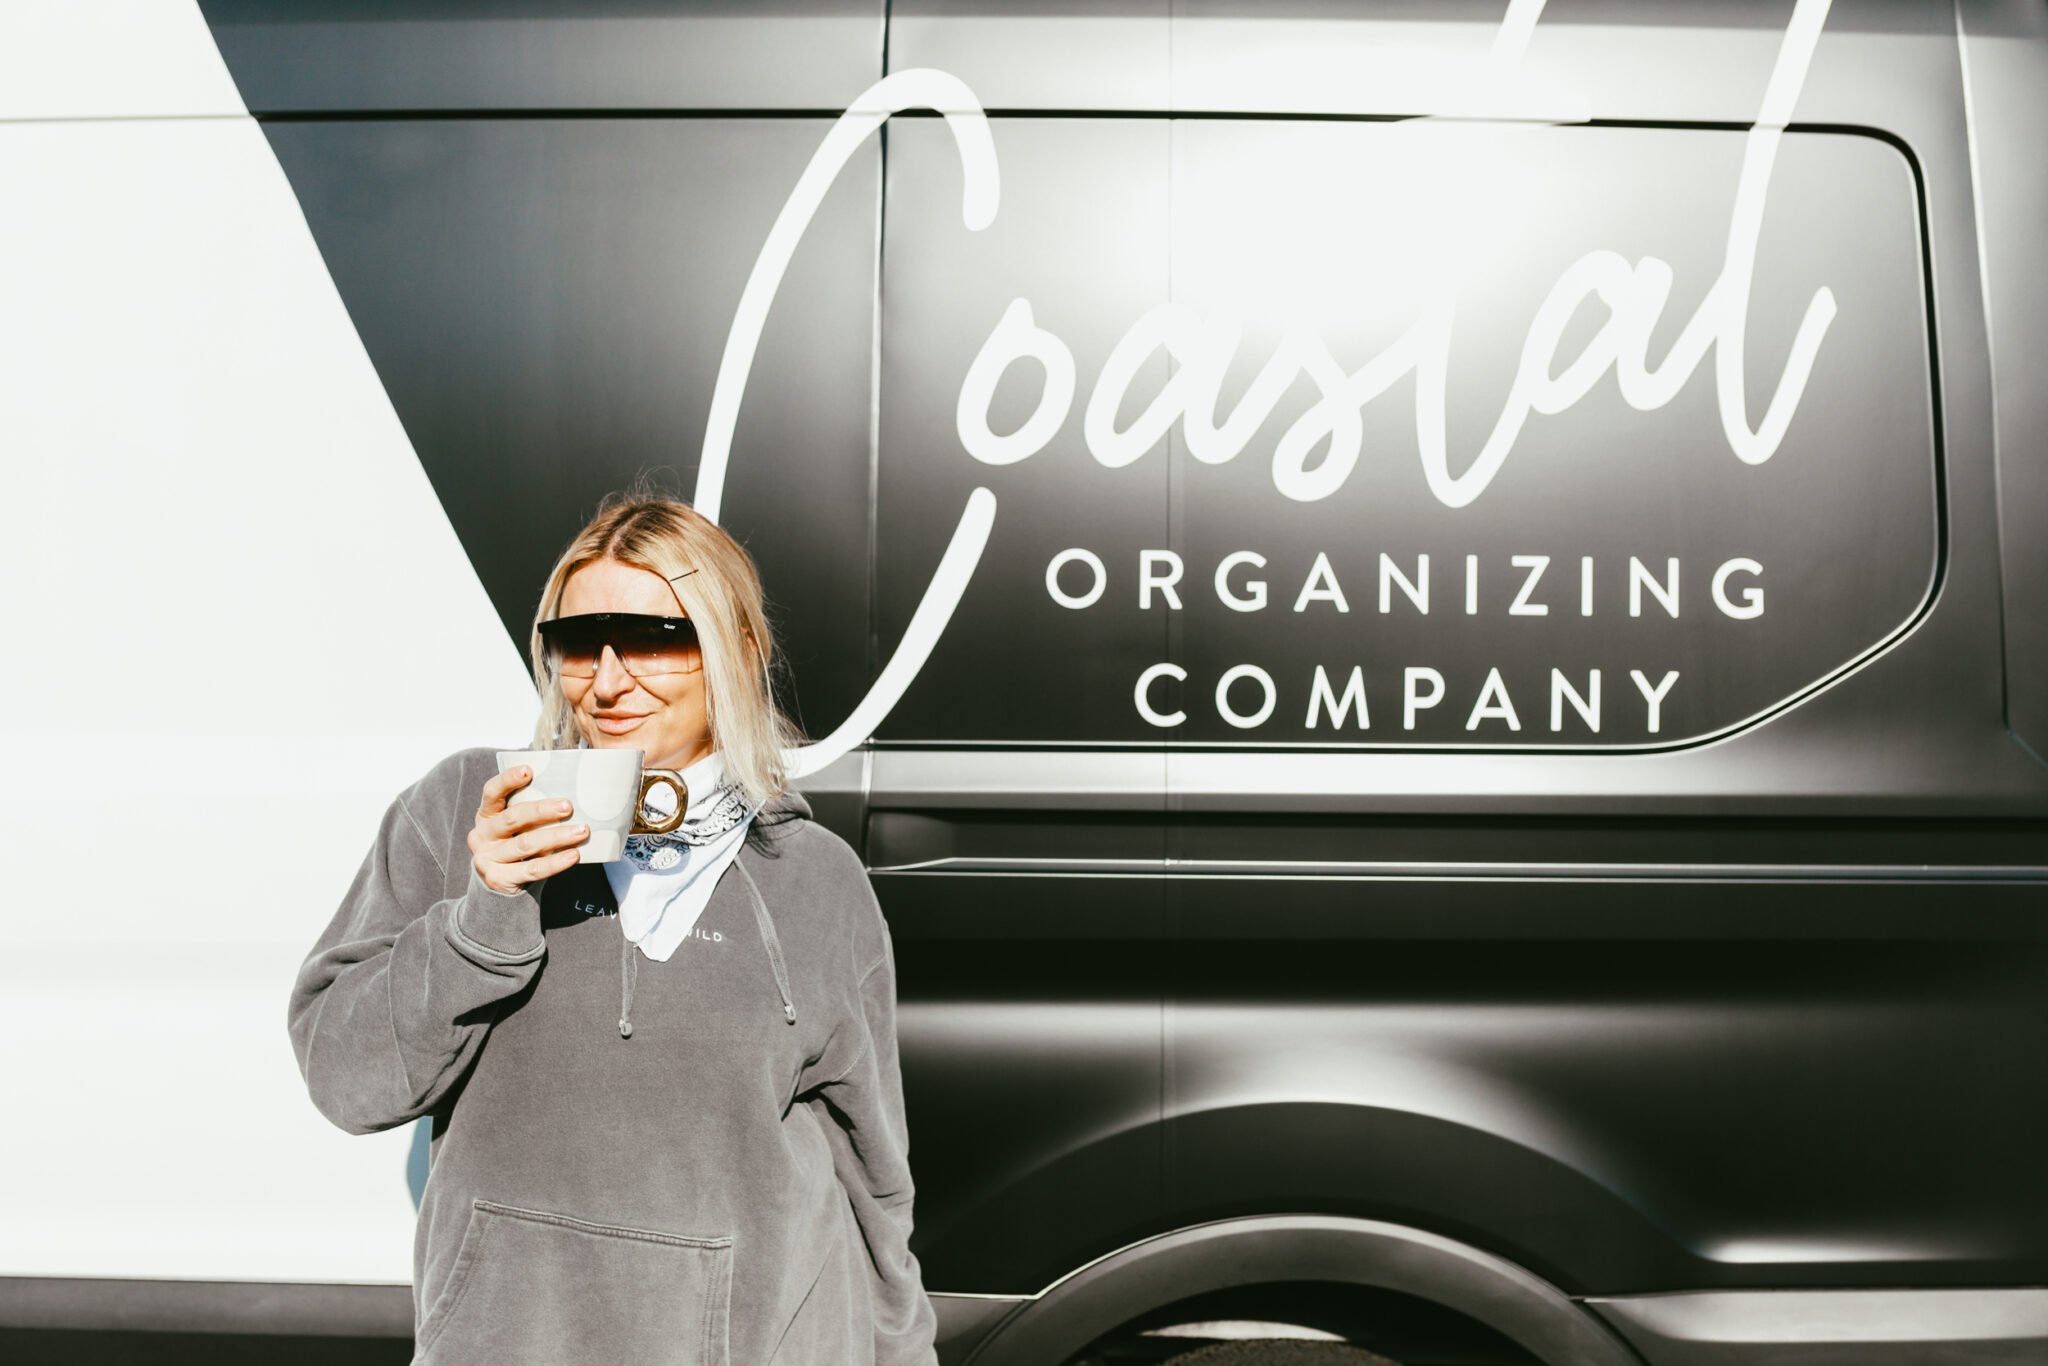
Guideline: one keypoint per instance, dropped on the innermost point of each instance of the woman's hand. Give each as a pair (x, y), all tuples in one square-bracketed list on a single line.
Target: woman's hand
[(514, 845)]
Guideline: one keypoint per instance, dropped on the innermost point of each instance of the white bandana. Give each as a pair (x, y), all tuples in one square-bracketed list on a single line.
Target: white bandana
[(664, 881)]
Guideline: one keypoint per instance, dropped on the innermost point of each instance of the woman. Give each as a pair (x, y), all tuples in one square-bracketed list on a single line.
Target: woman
[(668, 1120)]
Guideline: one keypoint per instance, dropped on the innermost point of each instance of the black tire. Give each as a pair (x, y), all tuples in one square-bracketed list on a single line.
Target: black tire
[(1279, 1352)]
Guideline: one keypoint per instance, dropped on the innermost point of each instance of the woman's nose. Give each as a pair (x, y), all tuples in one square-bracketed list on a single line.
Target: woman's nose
[(612, 681)]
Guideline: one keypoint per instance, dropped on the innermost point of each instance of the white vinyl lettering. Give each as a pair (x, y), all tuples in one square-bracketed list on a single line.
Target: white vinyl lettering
[(1654, 696), (1015, 337), (1521, 606), (1322, 698), (1752, 604), (1493, 704), (1061, 561), (1344, 432), (1588, 707), (1413, 700), (1144, 700), (1639, 578), (1321, 585), (1417, 592), (1150, 562), (1544, 383), (1634, 295), (980, 183), (1264, 680), (1110, 447), (1256, 598)]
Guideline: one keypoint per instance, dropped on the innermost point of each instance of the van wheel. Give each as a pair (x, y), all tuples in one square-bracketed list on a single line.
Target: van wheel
[(1279, 1352)]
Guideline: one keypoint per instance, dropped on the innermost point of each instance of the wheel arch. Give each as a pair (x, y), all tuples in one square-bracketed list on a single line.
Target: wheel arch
[(1133, 1280)]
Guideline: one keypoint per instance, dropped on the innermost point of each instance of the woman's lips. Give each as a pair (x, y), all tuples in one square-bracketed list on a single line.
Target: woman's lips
[(618, 725)]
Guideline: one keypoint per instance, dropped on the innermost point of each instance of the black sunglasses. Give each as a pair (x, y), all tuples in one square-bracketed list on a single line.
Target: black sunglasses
[(644, 644)]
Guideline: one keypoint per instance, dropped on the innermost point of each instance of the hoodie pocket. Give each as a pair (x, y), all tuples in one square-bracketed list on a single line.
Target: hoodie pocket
[(530, 1286)]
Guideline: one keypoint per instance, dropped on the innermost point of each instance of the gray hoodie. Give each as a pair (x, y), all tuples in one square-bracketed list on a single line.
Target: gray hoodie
[(728, 1184)]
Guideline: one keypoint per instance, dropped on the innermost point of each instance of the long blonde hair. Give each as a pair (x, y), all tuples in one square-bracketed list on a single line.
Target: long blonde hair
[(720, 591)]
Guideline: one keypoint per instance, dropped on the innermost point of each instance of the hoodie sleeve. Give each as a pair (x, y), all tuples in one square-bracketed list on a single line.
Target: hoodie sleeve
[(871, 1152), (394, 1000)]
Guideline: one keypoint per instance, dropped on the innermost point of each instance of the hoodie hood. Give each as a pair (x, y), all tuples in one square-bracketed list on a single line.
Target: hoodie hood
[(790, 804)]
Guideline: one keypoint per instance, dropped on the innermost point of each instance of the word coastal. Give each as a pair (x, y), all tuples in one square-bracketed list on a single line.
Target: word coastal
[(1317, 453)]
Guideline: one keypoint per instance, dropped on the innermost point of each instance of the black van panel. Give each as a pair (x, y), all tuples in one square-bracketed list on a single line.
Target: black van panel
[(546, 301), (453, 57)]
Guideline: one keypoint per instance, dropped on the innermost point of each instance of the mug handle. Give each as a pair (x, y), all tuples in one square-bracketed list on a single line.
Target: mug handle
[(649, 777)]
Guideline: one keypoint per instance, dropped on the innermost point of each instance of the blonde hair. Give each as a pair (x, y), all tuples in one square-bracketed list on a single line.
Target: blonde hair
[(720, 591)]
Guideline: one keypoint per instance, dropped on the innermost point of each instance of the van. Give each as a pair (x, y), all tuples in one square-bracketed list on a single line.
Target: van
[(1429, 618)]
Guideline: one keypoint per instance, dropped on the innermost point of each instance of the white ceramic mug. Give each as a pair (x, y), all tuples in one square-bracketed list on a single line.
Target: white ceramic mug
[(606, 789)]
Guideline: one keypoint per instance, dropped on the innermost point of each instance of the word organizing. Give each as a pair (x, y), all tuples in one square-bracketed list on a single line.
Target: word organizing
[(1077, 578)]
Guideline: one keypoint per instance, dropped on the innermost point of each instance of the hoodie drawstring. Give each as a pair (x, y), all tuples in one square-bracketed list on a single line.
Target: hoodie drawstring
[(768, 938), (629, 976), (629, 961)]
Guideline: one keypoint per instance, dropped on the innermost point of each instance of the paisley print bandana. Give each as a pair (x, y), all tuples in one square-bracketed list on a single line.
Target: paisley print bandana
[(664, 882), (708, 818)]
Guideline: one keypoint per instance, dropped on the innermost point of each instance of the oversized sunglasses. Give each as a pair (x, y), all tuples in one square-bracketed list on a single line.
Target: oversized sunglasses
[(644, 644)]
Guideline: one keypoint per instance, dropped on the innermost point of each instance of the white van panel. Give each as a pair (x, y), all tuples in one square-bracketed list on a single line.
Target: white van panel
[(201, 458)]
